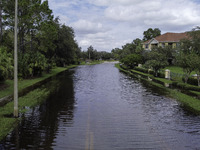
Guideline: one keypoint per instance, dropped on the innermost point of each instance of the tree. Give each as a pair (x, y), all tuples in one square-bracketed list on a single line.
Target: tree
[(187, 62), (105, 55), (31, 64), (132, 60), (46, 41), (6, 67), (189, 53), (137, 42), (151, 33), (92, 53), (116, 53), (156, 60), (67, 49), (42, 39), (196, 60)]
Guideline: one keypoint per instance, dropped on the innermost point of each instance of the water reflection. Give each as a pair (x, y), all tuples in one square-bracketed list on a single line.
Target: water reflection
[(39, 126)]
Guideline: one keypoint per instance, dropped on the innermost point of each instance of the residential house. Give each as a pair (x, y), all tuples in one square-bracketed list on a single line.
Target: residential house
[(167, 39)]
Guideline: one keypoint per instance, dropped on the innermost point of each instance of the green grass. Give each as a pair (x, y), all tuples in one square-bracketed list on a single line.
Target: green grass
[(26, 102), (6, 126), (190, 103), (92, 62), (176, 69), (28, 82), (195, 92)]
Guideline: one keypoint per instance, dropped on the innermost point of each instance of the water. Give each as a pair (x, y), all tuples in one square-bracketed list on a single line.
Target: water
[(99, 108)]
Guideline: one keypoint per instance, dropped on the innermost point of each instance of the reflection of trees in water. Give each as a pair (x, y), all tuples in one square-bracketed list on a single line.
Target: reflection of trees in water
[(39, 126)]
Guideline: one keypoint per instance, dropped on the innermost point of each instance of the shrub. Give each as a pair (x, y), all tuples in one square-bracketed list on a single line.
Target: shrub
[(191, 81), (132, 60), (6, 68), (32, 64)]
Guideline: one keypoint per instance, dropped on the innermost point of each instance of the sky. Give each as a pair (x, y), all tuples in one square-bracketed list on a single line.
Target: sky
[(109, 24)]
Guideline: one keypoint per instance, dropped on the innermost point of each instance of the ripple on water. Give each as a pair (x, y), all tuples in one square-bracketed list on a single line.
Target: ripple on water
[(106, 110)]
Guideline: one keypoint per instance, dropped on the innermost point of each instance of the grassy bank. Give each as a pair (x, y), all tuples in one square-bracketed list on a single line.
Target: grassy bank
[(33, 98), (7, 122), (26, 83), (92, 62), (190, 103)]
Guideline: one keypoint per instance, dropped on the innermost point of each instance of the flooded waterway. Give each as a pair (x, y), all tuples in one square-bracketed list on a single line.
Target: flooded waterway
[(99, 108)]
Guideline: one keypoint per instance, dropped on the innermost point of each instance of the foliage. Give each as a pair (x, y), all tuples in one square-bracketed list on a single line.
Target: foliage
[(187, 58), (156, 60), (135, 47), (151, 33), (132, 60), (67, 48), (6, 68), (191, 80), (92, 53), (40, 37), (32, 64)]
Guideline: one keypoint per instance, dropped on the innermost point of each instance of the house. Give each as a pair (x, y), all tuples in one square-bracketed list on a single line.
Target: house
[(167, 39)]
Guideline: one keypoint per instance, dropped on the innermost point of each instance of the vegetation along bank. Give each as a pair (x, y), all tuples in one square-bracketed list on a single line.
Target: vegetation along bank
[(30, 98), (190, 103)]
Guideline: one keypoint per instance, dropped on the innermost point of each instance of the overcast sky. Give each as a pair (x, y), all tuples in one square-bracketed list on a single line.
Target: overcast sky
[(108, 24)]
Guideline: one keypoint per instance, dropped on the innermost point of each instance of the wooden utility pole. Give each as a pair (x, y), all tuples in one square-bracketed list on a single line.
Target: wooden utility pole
[(15, 64)]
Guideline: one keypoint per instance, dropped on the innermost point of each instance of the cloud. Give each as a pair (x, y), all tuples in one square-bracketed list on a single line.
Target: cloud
[(179, 12), (87, 27), (106, 24)]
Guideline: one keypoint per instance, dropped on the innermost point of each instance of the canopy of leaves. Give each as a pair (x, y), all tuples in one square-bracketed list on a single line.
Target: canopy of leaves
[(151, 33), (132, 60), (156, 60), (5, 64), (42, 40)]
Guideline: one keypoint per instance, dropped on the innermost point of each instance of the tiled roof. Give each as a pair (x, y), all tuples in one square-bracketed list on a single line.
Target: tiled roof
[(170, 37)]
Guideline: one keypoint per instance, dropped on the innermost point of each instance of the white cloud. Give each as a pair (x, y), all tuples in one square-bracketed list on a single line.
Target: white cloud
[(107, 24), (87, 27)]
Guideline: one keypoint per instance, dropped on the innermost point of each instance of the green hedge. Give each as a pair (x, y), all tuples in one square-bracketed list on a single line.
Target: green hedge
[(191, 81), (160, 74), (185, 86)]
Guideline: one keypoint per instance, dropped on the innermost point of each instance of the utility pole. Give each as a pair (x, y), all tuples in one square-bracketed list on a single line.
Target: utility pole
[(15, 64)]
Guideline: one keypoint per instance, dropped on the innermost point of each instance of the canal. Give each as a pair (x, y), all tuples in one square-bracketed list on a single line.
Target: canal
[(99, 108)]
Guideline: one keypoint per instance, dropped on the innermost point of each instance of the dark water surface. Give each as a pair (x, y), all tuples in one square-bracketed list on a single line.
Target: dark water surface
[(99, 108)]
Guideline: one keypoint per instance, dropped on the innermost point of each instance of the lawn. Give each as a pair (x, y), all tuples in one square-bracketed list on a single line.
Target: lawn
[(25, 102), (28, 82), (176, 69)]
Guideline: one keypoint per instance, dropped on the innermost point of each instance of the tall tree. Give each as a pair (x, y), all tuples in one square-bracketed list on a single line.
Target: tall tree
[(151, 33), (156, 60), (67, 48)]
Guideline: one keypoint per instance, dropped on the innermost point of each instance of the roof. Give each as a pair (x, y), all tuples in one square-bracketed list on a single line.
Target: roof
[(169, 37)]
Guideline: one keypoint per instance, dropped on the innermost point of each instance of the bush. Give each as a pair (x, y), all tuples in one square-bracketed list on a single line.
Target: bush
[(132, 60), (185, 86), (141, 69), (6, 68), (191, 81), (32, 64)]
